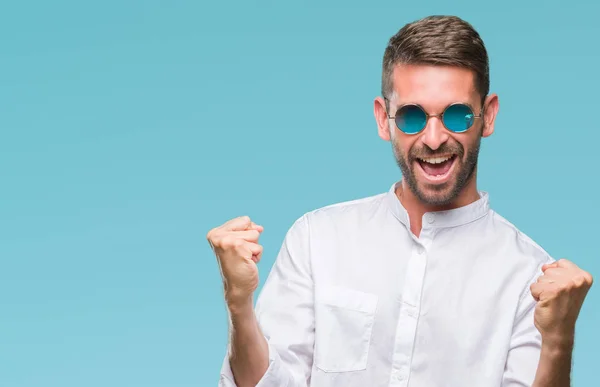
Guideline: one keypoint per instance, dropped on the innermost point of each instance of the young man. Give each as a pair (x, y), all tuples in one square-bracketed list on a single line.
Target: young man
[(421, 286)]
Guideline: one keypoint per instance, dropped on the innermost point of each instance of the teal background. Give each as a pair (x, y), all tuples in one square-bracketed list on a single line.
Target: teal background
[(128, 129)]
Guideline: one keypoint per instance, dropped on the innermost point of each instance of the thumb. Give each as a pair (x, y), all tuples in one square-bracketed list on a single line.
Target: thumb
[(257, 227), (547, 266)]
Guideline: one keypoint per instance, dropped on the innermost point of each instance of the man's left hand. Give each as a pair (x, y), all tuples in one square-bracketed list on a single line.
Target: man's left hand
[(560, 293)]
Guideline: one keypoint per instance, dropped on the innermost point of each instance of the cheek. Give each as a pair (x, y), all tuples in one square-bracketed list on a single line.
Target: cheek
[(403, 144), (402, 148), (463, 144)]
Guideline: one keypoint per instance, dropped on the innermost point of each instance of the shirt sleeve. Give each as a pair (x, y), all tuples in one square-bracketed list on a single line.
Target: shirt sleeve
[(285, 314), (525, 344)]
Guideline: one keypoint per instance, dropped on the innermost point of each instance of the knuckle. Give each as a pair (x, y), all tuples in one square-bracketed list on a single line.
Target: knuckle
[(563, 288), (579, 281), (237, 243), (215, 239), (227, 241), (210, 234), (584, 279)]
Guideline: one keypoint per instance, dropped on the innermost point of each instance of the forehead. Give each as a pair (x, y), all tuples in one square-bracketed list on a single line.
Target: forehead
[(433, 87)]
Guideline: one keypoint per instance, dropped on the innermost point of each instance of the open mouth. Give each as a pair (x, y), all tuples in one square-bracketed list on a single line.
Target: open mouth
[(437, 168)]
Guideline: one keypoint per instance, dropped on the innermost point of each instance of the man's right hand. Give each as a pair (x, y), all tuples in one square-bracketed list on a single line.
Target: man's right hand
[(236, 247)]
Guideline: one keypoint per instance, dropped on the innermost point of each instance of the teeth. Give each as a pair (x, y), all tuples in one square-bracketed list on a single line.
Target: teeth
[(435, 160)]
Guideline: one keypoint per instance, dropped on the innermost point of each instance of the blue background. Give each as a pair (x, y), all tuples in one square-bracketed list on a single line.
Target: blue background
[(128, 129)]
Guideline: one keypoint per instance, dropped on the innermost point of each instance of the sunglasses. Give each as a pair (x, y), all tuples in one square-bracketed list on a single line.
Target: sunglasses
[(457, 118)]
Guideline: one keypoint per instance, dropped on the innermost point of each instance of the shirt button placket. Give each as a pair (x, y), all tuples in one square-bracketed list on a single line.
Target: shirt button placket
[(398, 377)]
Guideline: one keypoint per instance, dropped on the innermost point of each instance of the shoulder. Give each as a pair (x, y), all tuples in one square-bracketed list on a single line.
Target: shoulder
[(518, 250), (521, 240), (349, 210), (336, 215)]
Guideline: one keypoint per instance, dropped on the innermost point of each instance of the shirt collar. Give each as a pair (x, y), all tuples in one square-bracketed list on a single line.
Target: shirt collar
[(438, 219)]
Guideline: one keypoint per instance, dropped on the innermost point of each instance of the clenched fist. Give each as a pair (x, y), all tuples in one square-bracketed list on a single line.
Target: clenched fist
[(560, 293), (236, 247)]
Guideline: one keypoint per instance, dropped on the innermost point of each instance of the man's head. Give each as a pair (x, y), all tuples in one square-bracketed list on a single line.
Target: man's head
[(436, 62)]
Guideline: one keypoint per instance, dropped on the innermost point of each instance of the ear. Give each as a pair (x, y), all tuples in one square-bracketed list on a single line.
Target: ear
[(381, 117), (492, 105)]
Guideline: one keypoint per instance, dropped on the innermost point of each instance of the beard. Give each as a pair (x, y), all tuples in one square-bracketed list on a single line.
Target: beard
[(443, 194)]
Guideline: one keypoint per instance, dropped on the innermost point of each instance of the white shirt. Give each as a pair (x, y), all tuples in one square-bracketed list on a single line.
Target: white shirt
[(355, 299)]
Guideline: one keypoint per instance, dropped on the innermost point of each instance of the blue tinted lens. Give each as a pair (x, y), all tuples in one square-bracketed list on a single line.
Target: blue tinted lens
[(458, 118), (410, 119)]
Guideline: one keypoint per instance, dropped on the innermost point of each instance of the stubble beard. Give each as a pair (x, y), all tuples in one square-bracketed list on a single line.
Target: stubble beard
[(444, 195)]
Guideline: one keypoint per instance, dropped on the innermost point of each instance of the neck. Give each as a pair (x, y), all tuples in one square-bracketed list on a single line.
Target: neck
[(416, 208)]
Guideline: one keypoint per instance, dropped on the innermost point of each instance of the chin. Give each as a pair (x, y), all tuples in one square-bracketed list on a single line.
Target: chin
[(436, 194)]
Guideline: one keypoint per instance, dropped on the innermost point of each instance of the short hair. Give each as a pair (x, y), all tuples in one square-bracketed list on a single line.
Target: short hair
[(437, 40)]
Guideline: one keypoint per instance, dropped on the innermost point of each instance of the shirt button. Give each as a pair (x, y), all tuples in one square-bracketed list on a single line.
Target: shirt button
[(420, 250), (430, 218), (398, 376)]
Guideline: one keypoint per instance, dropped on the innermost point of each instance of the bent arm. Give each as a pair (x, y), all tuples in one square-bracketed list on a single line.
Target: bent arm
[(272, 346), (249, 351), (554, 369), (534, 361)]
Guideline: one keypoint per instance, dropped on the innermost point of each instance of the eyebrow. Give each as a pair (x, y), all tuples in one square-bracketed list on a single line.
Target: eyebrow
[(398, 106)]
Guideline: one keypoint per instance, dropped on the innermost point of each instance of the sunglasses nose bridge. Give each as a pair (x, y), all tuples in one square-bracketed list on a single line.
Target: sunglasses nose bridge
[(434, 120)]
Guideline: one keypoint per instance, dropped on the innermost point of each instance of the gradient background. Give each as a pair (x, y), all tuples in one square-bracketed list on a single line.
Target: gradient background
[(130, 128)]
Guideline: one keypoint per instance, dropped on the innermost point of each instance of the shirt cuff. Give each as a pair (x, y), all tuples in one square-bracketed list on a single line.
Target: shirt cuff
[(274, 377)]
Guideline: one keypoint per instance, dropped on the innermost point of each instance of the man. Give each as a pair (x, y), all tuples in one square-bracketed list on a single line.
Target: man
[(422, 286)]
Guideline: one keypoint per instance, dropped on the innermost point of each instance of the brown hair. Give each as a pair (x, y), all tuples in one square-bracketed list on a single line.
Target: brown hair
[(437, 40)]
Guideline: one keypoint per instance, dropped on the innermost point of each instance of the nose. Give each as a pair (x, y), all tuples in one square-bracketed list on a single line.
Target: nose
[(434, 134)]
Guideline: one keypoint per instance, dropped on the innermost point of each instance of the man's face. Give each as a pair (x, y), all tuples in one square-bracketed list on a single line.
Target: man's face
[(436, 164)]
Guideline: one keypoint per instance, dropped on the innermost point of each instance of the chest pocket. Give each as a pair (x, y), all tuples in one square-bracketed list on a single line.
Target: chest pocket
[(343, 325)]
